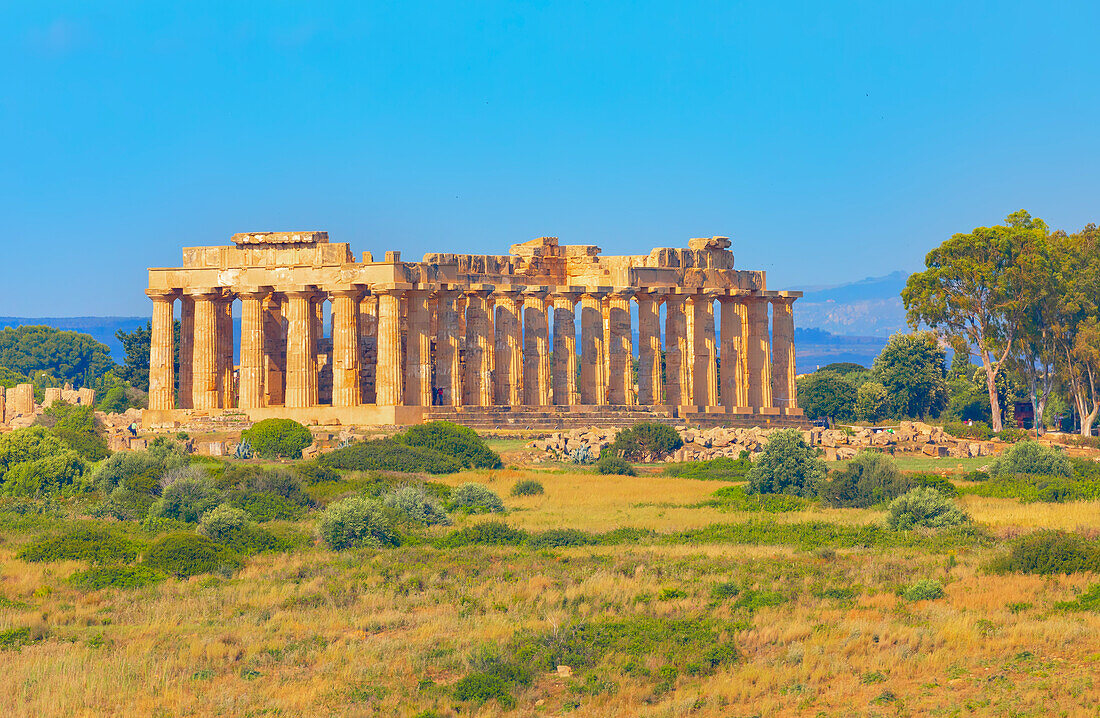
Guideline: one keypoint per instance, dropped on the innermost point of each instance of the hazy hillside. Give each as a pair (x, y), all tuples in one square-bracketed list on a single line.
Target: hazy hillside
[(869, 307)]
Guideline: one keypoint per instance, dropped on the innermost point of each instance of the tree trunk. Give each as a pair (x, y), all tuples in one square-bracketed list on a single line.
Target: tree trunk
[(1087, 420), (991, 385)]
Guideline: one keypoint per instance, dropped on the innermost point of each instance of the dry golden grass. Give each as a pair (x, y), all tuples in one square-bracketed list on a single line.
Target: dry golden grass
[(387, 632)]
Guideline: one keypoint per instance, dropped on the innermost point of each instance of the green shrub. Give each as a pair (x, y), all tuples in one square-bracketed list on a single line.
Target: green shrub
[(278, 438), (187, 554), (139, 470), (34, 462), (358, 521), (527, 487), (475, 499), (723, 468), (157, 525), (975, 475), (978, 430), (114, 401), (734, 498), (559, 538), (188, 496), (100, 577), (266, 507), (1030, 489), (1030, 457), (490, 533), (481, 688), (926, 589), (869, 478), (17, 637), (608, 463), (645, 441), (390, 455), (787, 466), (417, 507), (78, 427), (1087, 601), (458, 442), (223, 523), (1049, 552), (923, 507), (95, 544), (314, 472), (933, 481), (1012, 434)]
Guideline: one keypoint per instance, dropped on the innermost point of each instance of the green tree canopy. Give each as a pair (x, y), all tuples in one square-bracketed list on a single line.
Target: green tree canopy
[(911, 369), (827, 394), (69, 356)]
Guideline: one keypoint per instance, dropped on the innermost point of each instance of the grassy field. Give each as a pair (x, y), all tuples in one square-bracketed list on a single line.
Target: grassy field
[(715, 613)]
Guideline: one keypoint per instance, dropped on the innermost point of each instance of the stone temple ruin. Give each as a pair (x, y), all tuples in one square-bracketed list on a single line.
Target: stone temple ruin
[(472, 338)]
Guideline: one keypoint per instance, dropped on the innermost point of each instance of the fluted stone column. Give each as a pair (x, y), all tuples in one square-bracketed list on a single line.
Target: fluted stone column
[(732, 377), (389, 377), (448, 364), (301, 355), (536, 350), (677, 358), (759, 369), (619, 353), (479, 349), (274, 351), (204, 372), (418, 350), (649, 348), (593, 386), (705, 383), (162, 380), (252, 350), (187, 352), (565, 349), (346, 391), (784, 391), (509, 347)]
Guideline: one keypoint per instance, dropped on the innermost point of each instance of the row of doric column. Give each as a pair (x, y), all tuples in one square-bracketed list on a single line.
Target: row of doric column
[(477, 346)]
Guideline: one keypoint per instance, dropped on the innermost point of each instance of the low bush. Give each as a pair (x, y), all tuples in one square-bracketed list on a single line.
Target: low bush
[(489, 533), (187, 554), (475, 499), (417, 507), (1012, 434), (559, 538), (1033, 458), (390, 455), (187, 497), (926, 589), (645, 441), (723, 468), (1031, 489), (458, 442), (608, 463), (480, 688), (1087, 601), (978, 430), (314, 472), (78, 427), (869, 478), (923, 507), (787, 466), (94, 544), (932, 481), (123, 577), (358, 521), (223, 524), (278, 439), (527, 487), (975, 475), (266, 507), (734, 498), (1049, 552)]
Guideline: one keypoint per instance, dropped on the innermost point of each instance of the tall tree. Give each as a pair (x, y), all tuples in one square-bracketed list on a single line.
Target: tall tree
[(975, 288), (1077, 263), (137, 344), (1035, 353), (69, 356), (911, 370)]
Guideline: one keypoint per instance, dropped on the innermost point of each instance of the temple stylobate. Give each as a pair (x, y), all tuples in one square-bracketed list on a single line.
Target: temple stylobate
[(458, 334)]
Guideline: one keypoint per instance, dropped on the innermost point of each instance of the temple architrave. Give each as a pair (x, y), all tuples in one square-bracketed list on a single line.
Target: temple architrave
[(460, 335)]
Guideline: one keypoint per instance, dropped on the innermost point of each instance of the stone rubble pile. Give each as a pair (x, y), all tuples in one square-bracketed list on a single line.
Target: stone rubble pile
[(705, 444)]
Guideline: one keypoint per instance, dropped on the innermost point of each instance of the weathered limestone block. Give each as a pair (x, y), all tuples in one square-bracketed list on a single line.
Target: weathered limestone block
[(53, 396), (20, 401)]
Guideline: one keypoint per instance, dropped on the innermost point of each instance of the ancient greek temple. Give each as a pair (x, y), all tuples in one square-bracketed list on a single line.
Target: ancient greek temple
[(458, 335)]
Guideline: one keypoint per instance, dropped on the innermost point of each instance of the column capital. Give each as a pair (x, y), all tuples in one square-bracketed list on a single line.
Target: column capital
[(203, 292), (477, 290), (510, 290), (259, 293), (596, 291), (354, 292), (299, 292), (563, 297), (539, 291), (624, 292), (163, 295)]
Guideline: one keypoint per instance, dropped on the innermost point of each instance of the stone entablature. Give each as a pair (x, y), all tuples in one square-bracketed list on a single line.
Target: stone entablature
[(466, 330)]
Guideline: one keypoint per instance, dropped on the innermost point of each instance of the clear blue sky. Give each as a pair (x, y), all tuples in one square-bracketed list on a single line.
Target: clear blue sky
[(832, 141)]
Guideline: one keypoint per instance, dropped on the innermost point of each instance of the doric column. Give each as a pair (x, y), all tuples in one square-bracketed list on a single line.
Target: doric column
[(389, 377), (479, 349), (162, 380), (677, 360), (784, 392), (705, 383), (732, 378), (619, 352), (593, 376), (226, 394), (368, 347), (448, 362), (418, 350), (565, 349), (536, 349), (509, 346), (187, 351), (346, 391), (301, 355), (274, 351), (252, 350), (649, 348), (759, 369), (204, 372)]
